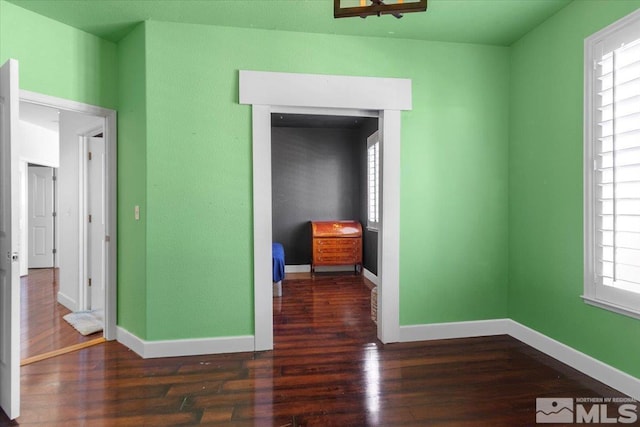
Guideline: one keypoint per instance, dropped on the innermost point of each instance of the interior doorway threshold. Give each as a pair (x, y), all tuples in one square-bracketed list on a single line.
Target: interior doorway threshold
[(61, 351)]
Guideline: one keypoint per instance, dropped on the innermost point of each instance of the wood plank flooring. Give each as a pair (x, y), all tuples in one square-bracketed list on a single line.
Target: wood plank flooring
[(43, 328), (327, 369)]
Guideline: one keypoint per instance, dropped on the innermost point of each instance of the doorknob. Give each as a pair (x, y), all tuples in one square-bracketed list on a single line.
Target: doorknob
[(13, 256)]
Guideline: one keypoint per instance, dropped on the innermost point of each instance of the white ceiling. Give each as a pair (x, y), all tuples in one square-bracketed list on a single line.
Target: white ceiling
[(39, 115)]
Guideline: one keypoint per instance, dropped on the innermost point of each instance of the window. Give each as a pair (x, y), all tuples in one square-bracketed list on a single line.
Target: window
[(612, 167), (373, 181)]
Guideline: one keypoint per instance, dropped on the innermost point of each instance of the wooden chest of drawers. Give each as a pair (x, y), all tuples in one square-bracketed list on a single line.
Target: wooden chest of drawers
[(336, 243)]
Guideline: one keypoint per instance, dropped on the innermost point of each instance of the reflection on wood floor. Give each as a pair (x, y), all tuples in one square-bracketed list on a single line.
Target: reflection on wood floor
[(327, 369), (42, 326)]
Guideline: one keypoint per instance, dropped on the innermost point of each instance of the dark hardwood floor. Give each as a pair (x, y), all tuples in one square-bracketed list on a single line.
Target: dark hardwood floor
[(42, 327), (327, 369)]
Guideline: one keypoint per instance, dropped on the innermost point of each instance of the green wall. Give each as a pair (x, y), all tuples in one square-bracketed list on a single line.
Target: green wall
[(61, 61), (56, 59), (199, 230), (545, 188), (132, 183)]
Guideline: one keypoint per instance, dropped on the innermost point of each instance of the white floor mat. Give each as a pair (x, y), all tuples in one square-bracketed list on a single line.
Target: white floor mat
[(86, 322)]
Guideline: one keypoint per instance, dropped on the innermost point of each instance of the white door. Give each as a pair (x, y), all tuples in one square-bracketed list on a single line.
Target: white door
[(9, 216), (40, 218), (96, 236)]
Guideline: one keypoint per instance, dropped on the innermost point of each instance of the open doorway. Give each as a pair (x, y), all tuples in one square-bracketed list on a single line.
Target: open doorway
[(63, 233), (10, 303), (321, 172), (269, 92)]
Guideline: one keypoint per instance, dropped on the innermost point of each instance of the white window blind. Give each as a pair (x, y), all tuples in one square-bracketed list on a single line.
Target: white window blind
[(618, 167), (612, 179), (373, 181)]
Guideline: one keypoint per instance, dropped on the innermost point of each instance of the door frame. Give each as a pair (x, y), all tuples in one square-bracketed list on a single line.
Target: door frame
[(269, 92), (110, 138)]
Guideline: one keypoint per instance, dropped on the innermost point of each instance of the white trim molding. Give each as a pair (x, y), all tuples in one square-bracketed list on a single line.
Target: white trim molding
[(584, 363), (389, 229), (306, 268), (303, 268), (611, 307), (185, 347), (269, 93), (607, 281), (370, 276), (318, 90), (69, 303), (443, 331), (262, 241)]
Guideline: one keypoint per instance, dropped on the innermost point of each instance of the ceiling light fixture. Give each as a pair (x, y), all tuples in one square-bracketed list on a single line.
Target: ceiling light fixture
[(349, 8)]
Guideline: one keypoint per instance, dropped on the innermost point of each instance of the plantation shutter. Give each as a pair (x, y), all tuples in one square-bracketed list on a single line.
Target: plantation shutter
[(373, 180), (617, 161)]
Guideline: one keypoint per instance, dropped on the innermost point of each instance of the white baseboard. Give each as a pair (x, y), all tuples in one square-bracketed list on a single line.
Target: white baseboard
[(67, 302), (441, 331), (187, 347), (584, 363), (306, 268), (129, 340), (277, 288), (370, 276), (333, 268)]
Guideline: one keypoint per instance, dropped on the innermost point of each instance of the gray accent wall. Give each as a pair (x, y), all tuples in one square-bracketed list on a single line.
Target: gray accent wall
[(318, 174)]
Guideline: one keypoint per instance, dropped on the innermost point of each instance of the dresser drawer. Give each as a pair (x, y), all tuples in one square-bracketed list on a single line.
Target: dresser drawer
[(337, 243), (347, 251), (336, 259)]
